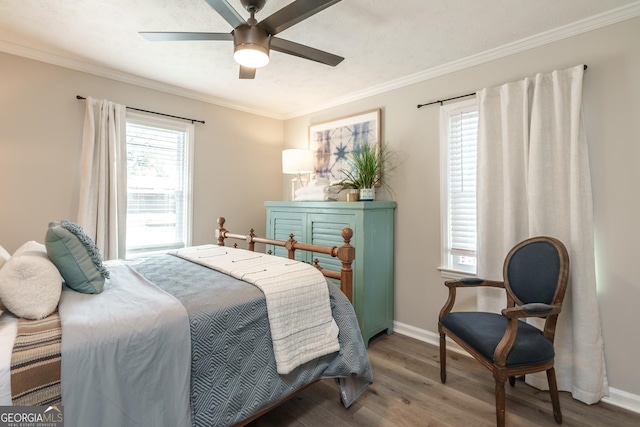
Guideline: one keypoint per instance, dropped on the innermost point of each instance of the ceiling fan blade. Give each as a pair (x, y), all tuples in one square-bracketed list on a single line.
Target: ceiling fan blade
[(247, 73), (293, 13), (227, 12), (164, 36), (306, 52)]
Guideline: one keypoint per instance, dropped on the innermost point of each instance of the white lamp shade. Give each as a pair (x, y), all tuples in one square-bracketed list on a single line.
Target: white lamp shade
[(297, 160), (251, 56), (251, 45)]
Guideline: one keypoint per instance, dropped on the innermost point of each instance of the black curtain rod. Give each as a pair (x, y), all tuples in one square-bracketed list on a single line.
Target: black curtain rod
[(154, 112), (441, 101)]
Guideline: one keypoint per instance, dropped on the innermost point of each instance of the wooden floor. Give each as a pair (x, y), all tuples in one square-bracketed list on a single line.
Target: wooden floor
[(407, 392)]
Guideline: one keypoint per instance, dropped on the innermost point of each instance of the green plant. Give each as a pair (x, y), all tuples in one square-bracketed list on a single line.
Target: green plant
[(367, 166)]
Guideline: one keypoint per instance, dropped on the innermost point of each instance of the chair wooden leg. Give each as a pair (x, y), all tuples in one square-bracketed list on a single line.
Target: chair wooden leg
[(443, 358), (512, 381), (500, 403), (555, 398)]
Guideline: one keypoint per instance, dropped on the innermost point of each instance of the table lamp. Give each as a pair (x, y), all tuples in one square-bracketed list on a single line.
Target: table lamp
[(297, 161)]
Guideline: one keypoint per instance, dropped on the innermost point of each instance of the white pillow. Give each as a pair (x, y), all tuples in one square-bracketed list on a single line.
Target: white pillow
[(30, 285), (31, 248), (4, 256)]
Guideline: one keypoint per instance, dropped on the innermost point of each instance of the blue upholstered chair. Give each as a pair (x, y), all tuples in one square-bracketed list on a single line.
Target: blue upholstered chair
[(535, 276)]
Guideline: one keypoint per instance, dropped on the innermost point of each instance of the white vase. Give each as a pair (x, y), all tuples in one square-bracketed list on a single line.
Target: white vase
[(367, 194)]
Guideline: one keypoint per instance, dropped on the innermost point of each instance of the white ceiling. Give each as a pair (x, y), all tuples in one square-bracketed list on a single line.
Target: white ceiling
[(385, 43)]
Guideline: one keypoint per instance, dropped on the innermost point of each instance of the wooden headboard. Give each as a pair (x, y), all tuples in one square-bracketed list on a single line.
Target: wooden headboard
[(345, 253)]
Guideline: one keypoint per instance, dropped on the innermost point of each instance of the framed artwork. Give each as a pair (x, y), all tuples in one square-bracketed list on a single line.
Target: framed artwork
[(333, 142)]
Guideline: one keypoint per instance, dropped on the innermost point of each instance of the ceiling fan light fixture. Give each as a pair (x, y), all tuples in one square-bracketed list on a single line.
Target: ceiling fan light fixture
[(251, 46), (253, 40), (251, 56)]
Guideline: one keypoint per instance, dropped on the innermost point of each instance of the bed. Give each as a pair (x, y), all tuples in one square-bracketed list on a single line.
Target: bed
[(171, 342)]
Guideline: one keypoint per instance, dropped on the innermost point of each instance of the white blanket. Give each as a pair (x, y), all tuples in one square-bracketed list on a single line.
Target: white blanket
[(297, 297)]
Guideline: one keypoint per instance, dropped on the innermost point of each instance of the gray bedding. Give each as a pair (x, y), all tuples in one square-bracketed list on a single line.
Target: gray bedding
[(233, 370)]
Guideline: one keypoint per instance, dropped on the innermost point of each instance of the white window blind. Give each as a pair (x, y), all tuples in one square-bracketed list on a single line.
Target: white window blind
[(459, 149), (158, 184), (463, 130)]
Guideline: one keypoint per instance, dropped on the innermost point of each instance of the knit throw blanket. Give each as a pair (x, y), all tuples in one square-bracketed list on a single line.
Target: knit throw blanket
[(297, 298), (35, 362)]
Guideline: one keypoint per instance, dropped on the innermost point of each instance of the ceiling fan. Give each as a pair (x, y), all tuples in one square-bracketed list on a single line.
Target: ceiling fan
[(252, 39)]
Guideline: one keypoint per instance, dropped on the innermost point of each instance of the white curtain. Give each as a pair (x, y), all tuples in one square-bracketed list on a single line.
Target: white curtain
[(534, 179), (103, 189)]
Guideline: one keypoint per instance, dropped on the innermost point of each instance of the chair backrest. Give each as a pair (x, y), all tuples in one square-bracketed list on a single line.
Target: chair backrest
[(536, 271)]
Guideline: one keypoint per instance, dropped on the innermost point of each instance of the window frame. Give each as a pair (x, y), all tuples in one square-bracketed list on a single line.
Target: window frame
[(142, 119), (448, 268)]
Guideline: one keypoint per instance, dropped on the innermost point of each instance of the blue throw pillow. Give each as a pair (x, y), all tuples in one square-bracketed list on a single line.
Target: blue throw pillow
[(76, 256)]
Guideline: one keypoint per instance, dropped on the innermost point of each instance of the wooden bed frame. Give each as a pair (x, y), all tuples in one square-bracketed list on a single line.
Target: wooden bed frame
[(345, 253)]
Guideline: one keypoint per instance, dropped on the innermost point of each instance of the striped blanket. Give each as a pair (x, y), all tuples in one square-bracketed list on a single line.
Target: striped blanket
[(297, 297), (35, 362)]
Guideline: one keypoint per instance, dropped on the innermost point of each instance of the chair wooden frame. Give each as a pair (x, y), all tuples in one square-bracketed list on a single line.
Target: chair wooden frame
[(514, 311)]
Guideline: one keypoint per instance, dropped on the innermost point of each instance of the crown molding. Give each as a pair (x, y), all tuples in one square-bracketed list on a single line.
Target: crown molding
[(588, 24), (597, 21), (109, 73)]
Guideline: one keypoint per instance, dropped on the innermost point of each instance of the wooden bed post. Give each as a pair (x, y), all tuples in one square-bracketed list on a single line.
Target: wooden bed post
[(290, 246), (347, 253), (251, 245), (220, 231)]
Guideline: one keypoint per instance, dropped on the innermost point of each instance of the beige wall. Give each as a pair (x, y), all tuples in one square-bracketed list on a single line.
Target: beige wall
[(612, 114), (236, 162), (237, 165)]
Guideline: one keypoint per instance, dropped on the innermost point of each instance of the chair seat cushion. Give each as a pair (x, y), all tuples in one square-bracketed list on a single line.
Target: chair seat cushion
[(483, 331)]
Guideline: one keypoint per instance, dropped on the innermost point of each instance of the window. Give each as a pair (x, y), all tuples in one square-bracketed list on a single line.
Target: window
[(458, 148), (158, 183)]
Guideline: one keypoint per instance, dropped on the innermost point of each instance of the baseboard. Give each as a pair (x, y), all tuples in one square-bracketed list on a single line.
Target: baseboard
[(623, 399), (619, 398)]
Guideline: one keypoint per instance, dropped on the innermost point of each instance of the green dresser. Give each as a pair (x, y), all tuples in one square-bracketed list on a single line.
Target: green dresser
[(320, 223)]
